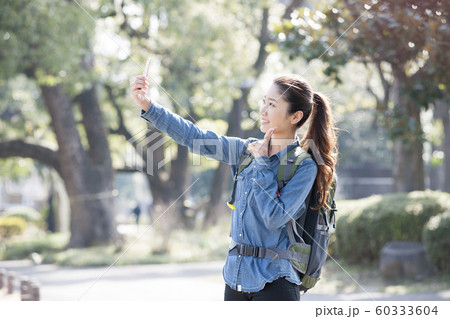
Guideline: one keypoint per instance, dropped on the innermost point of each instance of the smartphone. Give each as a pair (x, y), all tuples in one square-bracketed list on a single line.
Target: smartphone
[(147, 67)]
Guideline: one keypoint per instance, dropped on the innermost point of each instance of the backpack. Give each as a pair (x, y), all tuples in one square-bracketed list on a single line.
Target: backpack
[(308, 235)]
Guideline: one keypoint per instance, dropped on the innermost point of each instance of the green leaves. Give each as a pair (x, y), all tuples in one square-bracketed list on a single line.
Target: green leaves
[(47, 40), (409, 36), (391, 31)]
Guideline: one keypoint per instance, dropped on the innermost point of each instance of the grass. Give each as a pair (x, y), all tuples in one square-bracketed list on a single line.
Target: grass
[(138, 247), (184, 246)]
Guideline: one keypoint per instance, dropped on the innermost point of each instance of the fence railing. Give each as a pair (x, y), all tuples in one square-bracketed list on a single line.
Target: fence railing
[(29, 288)]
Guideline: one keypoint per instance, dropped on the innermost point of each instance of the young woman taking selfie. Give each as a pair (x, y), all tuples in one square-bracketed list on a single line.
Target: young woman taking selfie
[(259, 211)]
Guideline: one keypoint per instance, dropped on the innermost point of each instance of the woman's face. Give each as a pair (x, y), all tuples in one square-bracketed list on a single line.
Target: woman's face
[(274, 112)]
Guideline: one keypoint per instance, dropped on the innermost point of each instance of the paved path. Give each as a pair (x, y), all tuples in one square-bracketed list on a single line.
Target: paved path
[(193, 281)]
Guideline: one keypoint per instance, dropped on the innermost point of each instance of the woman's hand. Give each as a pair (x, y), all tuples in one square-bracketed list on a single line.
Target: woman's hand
[(261, 147), (139, 86)]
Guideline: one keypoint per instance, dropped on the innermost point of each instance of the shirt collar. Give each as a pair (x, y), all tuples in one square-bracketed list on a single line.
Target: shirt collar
[(286, 150)]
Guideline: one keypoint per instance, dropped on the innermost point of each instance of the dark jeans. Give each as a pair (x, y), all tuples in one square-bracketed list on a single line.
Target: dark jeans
[(277, 290)]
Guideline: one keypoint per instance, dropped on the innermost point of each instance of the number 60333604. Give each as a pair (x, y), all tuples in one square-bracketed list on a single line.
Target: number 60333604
[(406, 310)]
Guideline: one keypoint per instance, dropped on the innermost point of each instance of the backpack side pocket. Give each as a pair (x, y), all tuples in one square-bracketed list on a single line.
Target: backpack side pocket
[(317, 259)]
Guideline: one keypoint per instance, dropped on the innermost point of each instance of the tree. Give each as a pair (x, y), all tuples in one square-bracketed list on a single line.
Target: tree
[(405, 41), (40, 42)]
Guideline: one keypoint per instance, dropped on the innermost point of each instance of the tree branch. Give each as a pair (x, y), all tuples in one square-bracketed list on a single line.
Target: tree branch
[(121, 128), (126, 27), (384, 82), (291, 7), (264, 39), (38, 152)]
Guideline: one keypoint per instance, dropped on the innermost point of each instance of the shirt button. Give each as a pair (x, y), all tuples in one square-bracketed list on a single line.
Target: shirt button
[(240, 235), (253, 178), (239, 256), (254, 166), (245, 193)]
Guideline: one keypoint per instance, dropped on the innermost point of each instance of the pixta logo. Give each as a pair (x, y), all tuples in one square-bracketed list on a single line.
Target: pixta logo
[(141, 150)]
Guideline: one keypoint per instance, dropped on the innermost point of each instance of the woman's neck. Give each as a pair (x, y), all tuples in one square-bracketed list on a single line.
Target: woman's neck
[(280, 142)]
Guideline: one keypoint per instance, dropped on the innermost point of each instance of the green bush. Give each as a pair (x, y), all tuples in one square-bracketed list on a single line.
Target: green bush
[(43, 245), (365, 225), (437, 241), (11, 226), (25, 212)]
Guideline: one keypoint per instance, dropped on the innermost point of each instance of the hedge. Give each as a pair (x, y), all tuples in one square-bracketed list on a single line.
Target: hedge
[(28, 213), (437, 241), (12, 226), (365, 225)]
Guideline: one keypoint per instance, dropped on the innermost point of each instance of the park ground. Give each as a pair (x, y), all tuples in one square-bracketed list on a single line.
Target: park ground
[(203, 281)]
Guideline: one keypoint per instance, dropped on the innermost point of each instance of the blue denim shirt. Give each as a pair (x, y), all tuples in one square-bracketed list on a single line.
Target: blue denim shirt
[(260, 215)]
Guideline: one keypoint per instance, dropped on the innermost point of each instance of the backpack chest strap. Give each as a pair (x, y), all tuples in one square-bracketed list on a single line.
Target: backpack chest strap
[(270, 253)]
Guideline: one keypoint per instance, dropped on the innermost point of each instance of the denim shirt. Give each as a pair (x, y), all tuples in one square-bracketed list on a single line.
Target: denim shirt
[(260, 215)]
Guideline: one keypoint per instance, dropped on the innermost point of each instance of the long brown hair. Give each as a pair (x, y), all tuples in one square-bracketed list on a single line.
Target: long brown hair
[(320, 137)]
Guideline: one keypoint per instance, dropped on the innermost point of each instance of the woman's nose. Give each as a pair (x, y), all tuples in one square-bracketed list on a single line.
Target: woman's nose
[(262, 108)]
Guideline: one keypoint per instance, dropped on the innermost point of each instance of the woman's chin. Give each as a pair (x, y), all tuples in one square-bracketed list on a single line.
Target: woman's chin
[(264, 128)]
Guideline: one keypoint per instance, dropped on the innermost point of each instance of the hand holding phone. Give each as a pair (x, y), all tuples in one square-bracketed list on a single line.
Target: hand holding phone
[(139, 86)]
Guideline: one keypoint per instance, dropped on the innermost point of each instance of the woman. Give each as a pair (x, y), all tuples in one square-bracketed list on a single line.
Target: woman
[(259, 213)]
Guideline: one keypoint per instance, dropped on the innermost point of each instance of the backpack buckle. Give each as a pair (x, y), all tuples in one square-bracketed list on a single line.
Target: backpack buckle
[(241, 249), (255, 252)]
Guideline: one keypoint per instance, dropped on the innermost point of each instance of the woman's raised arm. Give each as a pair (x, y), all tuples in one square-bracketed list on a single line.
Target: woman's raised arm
[(204, 142)]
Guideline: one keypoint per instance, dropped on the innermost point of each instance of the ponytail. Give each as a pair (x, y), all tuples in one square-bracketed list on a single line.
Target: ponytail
[(320, 139)]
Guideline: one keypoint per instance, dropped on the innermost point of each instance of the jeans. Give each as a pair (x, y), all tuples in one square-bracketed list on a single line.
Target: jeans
[(277, 290)]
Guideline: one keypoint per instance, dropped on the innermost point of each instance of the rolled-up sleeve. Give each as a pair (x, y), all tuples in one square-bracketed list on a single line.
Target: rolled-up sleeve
[(203, 142), (277, 211)]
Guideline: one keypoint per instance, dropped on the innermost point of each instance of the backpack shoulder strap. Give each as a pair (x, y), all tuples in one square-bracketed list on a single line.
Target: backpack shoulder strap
[(289, 164), (244, 160), (286, 170)]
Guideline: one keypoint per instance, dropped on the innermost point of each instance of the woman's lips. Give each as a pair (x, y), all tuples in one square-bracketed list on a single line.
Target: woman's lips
[(263, 122)]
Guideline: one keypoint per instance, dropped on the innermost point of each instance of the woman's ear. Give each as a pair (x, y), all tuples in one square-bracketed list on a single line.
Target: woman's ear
[(297, 117)]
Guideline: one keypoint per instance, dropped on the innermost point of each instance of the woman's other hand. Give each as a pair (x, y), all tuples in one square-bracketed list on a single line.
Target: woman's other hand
[(261, 147), (139, 86)]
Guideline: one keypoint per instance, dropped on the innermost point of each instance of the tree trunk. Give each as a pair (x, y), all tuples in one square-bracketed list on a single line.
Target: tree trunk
[(88, 181), (221, 178), (168, 194), (436, 173), (442, 108), (179, 178), (408, 169)]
